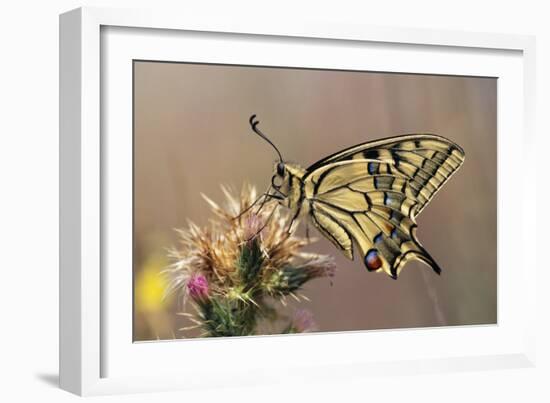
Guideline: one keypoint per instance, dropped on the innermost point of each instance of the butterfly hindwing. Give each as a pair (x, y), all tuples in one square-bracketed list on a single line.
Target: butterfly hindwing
[(371, 194), (384, 235), (334, 231)]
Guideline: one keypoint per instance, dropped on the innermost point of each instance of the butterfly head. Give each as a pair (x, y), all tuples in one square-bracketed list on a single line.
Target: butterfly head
[(287, 180), (280, 177), (280, 169)]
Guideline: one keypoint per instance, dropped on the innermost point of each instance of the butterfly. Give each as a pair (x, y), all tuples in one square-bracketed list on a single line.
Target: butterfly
[(369, 195)]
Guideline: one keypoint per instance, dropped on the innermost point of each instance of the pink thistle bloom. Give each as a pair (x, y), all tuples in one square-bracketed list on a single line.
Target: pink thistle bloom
[(197, 287), (252, 227), (303, 322)]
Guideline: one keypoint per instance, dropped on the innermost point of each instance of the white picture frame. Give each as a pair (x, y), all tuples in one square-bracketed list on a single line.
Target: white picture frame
[(97, 357)]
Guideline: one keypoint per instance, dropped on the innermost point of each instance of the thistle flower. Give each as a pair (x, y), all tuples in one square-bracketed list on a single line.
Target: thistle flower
[(252, 227), (290, 278), (302, 322), (230, 268), (197, 287)]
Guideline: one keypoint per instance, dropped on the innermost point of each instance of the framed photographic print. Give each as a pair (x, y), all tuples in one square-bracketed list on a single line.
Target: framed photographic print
[(258, 194)]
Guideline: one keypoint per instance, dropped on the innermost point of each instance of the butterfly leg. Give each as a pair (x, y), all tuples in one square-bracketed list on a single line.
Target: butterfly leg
[(293, 223), (265, 196)]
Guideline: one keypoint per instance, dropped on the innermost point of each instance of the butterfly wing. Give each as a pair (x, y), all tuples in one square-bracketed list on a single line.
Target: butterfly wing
[(426, 160), (372, 193)]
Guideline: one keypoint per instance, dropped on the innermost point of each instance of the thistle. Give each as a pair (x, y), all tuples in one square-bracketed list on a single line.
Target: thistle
[(197, 287), (240, 269), (302, 322)]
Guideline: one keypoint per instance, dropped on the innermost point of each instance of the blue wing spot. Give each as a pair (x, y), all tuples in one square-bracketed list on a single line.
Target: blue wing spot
[(393, 201), (395, 236), (387, 199), (372, 167)]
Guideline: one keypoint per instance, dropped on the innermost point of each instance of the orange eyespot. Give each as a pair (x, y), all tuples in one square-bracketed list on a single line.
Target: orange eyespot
[(372, 260)]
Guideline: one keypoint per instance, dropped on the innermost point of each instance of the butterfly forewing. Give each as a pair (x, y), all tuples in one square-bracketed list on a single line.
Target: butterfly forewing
[(426, 160)]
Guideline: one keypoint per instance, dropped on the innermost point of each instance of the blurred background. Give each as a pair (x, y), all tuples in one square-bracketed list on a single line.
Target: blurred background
[(191, 135)]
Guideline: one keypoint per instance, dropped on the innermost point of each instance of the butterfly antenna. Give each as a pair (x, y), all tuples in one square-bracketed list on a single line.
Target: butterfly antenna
[(249, 207), (254, 124)]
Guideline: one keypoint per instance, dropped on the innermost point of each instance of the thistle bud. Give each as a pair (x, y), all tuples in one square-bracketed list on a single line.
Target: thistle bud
[(197, 287), (302, 322)]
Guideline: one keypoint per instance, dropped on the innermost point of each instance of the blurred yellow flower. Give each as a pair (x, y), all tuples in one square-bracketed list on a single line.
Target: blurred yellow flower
[(151, 286)]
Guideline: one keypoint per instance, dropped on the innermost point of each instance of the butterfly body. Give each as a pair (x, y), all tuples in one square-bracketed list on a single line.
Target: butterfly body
[(370, 195), (292, 186)]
